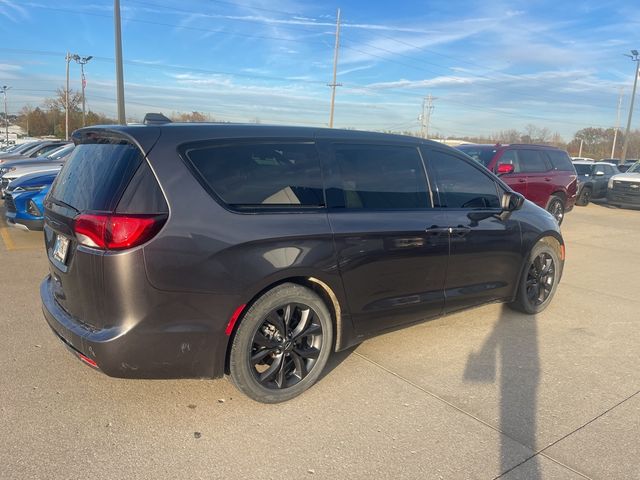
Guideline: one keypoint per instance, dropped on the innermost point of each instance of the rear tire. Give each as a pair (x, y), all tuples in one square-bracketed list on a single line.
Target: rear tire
[(539, 280), (282, 344), (556, 208), (585, 197)]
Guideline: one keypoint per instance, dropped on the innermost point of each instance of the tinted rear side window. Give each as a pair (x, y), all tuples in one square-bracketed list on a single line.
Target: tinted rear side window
[(560, 160), (379, 177), (532, 161), (247, 175), (95, 175)]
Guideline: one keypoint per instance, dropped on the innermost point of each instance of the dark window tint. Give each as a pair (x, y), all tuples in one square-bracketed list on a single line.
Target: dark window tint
[(583, 169), (95, 175), (143, 194), (379, 177), (461, 185), (261, 174), (532, 161), (560, 160), (481, 154)]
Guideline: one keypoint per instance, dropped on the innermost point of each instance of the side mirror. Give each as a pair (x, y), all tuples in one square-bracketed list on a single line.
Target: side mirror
[(599, 173), (512, 201), (505, 168)]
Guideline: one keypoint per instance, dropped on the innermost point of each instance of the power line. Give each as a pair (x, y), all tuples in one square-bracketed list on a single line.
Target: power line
[(252, 36)]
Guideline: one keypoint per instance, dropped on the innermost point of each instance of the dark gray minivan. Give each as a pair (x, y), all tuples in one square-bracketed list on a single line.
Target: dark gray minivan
[(195, 250)]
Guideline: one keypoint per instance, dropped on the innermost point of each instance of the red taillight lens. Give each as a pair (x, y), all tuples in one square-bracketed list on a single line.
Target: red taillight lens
[(115, 231)]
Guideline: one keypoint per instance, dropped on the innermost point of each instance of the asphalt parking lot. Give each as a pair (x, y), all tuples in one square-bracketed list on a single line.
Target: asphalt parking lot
[(477, 395)]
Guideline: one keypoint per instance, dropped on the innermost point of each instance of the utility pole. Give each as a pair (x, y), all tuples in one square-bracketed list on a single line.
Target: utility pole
[(67, 59), (634, 56), (333, 84), (82, 61), (6, 118), (615, 132), (425, 116), (580, 151), (119, 72)]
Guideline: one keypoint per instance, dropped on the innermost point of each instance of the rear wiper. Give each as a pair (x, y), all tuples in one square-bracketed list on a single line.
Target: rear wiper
[(62, 204)]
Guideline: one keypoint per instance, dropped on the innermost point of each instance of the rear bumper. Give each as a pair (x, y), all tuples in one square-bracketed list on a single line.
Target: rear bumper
[(138, 352)]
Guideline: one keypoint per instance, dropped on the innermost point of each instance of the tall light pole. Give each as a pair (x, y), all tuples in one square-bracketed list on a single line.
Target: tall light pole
[(635, 57), (6, 118), (68, 57), (82, 61), (333, 84), (119, 73), (615, 132)]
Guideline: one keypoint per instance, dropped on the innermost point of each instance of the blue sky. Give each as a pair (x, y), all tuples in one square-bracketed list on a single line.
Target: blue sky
[(491, 65)]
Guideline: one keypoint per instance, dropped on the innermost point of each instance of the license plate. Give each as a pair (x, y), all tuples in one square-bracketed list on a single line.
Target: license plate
[(60, 248)]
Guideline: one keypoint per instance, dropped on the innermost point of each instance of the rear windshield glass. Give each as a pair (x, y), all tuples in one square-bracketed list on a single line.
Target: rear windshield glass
[(481, 155), (95, 175)]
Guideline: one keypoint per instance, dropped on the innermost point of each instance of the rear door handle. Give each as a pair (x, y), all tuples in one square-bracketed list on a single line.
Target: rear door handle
[(522, 180), (435, 230), (547, 179)]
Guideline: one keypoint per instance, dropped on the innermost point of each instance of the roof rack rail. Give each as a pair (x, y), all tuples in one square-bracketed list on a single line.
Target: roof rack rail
[(155, 119)]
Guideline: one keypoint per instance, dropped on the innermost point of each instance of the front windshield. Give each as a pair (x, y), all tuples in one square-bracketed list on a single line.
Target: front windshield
[(583, 168), (635, 168)]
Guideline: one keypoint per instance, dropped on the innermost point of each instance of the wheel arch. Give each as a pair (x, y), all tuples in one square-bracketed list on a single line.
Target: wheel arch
[(319, 286)]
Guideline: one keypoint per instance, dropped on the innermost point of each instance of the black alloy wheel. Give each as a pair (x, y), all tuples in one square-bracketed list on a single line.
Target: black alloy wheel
[(282, 344), (540, 279), (585, 197), (286, 346), (556, 208)]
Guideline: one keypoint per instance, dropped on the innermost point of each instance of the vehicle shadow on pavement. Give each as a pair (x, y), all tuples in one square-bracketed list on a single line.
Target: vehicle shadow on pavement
[(335, 359), (511, 354)]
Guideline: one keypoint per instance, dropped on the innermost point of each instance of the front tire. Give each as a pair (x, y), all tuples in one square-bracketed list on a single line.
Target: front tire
[(584, 198), (282, 344), (556, 208), (539, 280)]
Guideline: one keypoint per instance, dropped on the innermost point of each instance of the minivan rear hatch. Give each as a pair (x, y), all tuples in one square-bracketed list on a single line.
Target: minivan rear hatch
[(106, 174)]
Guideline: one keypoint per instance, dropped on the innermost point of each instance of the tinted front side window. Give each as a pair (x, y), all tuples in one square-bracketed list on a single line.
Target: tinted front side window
[(460, 185), (532, 161), (583, 169), (560, 160), (379, 177), (509, 157), (261, 174)]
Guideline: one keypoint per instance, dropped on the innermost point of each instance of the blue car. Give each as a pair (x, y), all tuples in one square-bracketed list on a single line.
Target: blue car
[(24, 199)]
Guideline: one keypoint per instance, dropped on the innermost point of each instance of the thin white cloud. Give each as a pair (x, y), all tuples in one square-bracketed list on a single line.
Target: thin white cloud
[(13, 11)]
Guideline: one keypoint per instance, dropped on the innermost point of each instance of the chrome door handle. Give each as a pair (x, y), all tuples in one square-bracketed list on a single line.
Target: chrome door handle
[(435, 230)]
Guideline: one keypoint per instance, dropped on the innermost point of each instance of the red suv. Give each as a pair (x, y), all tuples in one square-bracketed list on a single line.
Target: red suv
[(543, 174)]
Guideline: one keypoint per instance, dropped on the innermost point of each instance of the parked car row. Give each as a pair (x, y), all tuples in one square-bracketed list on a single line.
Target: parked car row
[(599, 180), (543, 174), (25, 179)]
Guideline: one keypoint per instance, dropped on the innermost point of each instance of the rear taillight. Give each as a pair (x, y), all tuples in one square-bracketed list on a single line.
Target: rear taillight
[(116, 231)]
